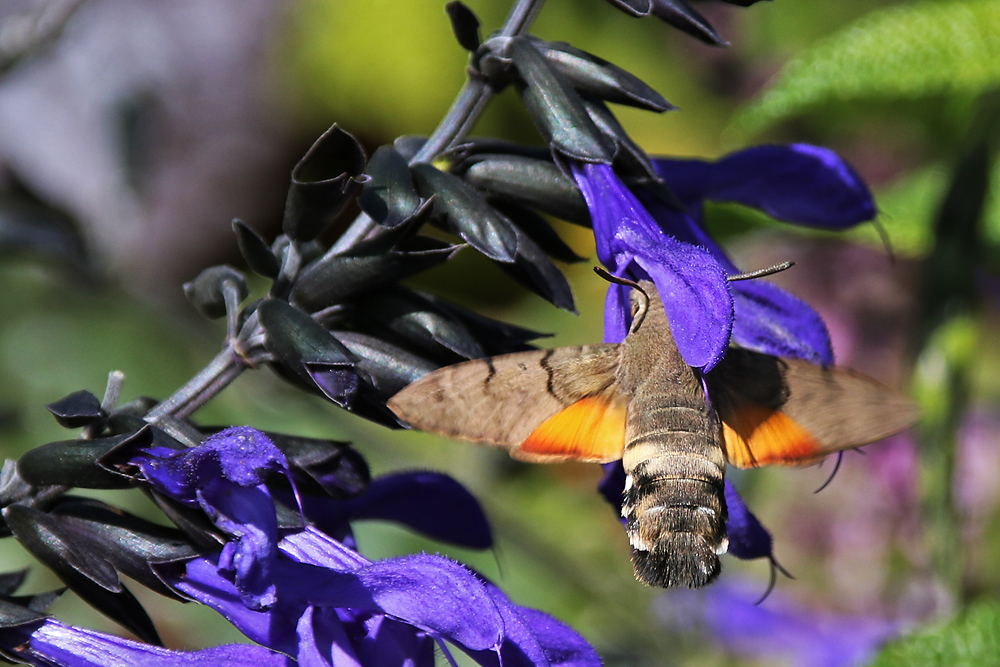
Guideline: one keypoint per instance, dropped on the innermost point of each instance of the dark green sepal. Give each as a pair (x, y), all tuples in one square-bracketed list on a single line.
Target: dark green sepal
[(683, 16), (390, 197), (555, 106), (255, 250), (207, 292), (636, 8), (630, 159), (369, 266), (540, 231), (596, 77), (302, 350), (75, 463), (126, 541), (191, 521), (88, 574), (495, 336), (14, 615), (11, 581), (413, 319), (533, 269), (384, 367), (464, 24), (409, 145), (324, 467), (536, 183), (464, 212), (76, 410), (323, 181)]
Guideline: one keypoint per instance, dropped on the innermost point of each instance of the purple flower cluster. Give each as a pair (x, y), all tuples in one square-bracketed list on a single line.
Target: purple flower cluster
[(304, 596)]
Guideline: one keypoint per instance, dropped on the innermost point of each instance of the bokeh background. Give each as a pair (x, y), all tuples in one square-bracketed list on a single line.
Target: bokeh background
[(133, 131)]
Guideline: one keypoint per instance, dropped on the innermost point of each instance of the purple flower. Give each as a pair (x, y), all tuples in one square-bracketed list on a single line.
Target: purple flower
[(305, 594), (337, 607), (50, 643), (225, 477), (690, 280), (780, 629), (640, 235)]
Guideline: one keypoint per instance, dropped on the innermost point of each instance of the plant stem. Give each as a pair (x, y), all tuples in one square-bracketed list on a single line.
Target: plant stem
[(461, 117), (465, 111)]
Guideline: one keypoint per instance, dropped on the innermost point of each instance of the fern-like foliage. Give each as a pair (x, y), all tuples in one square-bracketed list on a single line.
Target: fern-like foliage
[(903, 52)]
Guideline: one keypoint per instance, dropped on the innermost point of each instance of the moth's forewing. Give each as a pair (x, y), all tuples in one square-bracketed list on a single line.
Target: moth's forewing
[(505, 400), (788, 411)]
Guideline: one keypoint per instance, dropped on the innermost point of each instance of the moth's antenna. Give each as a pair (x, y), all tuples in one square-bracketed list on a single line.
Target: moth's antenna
[(640, 314), (775, 568), (836, 467), (760, 273)]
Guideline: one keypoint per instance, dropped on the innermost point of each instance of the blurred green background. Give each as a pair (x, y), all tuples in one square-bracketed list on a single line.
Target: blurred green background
[(904, 90)]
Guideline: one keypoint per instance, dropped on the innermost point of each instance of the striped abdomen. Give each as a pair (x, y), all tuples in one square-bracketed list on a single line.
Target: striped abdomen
[(674, 503)]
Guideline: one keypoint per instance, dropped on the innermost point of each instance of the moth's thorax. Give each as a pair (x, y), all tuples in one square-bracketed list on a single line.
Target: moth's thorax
[(649, 354)]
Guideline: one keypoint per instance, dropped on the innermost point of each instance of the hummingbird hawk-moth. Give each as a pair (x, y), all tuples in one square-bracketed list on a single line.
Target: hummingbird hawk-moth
[(638, 401)]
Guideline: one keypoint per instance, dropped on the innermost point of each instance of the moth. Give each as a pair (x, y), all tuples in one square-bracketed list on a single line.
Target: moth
[(638, 401)]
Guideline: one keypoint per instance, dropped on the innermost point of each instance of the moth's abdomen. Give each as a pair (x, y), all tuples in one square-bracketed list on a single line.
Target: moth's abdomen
[(674, 504)]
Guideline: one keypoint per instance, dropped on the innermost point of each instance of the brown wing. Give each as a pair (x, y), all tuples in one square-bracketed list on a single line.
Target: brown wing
[(788, 411), (544, 405)]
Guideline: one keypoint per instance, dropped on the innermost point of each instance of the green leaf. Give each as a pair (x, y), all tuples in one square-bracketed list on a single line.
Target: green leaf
[(904, 52), (972, 639)]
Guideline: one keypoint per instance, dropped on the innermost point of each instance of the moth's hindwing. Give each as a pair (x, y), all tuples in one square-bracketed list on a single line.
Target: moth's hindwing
[(788, 411)]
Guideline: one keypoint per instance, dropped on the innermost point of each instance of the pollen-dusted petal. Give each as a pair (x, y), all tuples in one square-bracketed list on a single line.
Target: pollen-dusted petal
[(691, 282), (692, 286)]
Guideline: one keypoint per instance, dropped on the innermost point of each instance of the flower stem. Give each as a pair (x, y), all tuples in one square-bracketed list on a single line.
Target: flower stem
[(468, 106), (461, 117)]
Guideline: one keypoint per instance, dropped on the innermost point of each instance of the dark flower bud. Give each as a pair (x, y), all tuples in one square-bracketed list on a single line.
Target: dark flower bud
[(555, 106), (464, 24), (533, 269), (536, 183), (208, 291), (595, 77), (74, 463), (637, 8), (305, 353), (367, 267), (464, 212), (323, 181), (76, 410), (385, 367), (684, 17), (256, 251), (415, 320), (390, 197), (92, 577)]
